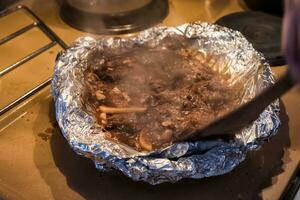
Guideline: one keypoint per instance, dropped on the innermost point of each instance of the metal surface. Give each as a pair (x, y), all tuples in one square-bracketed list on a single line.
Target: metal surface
[(292, 191), (54, 40), (152, 13), (17, 33), (26, 59), (43, 166), (228, 51), (56, 172), (25, 96)]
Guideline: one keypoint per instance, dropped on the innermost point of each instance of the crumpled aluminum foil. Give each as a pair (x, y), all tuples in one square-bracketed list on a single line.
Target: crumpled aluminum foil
[(182, 160)]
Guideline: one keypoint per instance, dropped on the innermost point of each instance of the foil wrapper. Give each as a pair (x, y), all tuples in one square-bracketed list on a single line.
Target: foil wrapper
[(197, 159)]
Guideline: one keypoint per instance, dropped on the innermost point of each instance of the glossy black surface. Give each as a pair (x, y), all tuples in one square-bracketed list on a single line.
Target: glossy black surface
[(261, 29), (274, 7)]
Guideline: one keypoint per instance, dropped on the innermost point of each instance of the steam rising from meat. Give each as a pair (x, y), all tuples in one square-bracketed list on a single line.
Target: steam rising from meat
[(180, 93)]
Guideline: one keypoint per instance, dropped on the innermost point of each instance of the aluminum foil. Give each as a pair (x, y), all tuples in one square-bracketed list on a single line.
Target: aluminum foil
[(197, 159)]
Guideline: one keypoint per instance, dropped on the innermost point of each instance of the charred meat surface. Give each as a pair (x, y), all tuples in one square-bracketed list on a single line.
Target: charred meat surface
[(150, 95)]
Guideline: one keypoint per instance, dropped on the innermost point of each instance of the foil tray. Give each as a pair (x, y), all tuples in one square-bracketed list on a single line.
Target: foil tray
[(199, 159)]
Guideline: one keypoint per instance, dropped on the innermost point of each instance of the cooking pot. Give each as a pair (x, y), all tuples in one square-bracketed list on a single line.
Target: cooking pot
[(274, 7), (113, 16)]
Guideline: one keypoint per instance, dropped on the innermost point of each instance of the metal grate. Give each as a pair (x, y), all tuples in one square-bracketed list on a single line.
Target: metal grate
[(292, 190), (47, 31)]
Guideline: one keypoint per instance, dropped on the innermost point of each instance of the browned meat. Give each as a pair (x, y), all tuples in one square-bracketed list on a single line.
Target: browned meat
[(180, 93)]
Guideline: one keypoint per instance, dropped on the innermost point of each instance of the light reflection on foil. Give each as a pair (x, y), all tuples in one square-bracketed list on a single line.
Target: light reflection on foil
[(183, 160)]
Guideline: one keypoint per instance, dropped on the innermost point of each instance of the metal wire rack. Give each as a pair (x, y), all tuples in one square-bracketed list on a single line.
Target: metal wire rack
[(37, 22)]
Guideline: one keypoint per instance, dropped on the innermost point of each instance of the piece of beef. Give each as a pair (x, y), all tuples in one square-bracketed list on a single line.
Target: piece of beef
[(181, 93)]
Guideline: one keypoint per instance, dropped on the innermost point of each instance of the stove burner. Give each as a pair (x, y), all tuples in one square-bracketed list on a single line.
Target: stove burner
[(116, 23), (262, 30), (273, 7)]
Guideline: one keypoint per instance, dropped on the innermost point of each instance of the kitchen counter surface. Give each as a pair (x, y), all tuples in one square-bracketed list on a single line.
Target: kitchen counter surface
[(37, 163)]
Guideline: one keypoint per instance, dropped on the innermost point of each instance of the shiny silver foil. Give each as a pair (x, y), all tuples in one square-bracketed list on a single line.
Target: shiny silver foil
[(235, 55)]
